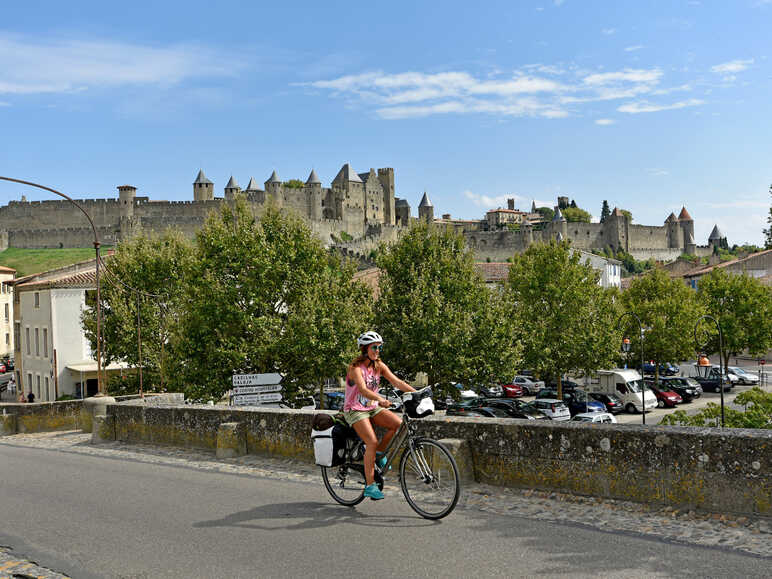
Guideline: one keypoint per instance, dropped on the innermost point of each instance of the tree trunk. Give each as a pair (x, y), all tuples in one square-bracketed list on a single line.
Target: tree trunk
[(560, 386)]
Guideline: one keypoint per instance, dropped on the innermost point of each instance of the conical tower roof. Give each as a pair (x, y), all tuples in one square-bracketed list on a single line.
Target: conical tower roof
[(670, 218), (684, 215), (716, 234), (202, 179), (346, 173), (533, 206), (252, 185), (690, 240), (313, 179), (425, 201), (232, 184), (274, 178), (558, 215)]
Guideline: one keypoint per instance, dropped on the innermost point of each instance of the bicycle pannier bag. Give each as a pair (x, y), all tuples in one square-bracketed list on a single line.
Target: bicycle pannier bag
[(418, 404), (329, 445)]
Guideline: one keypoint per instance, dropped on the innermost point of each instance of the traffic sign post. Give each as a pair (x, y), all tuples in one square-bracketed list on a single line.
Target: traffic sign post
[(256, 389)]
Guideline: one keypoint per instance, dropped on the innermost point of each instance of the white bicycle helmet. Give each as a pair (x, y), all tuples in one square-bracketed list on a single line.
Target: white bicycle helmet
[(369, 338)]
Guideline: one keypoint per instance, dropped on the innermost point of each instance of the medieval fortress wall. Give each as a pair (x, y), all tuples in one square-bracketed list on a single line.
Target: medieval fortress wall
[(356, 213)]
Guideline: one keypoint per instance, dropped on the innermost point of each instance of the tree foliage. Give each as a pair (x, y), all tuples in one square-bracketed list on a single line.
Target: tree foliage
[(265, 296), (576, 214), (756, 413), (743, 308), (155, 265), (565, 320), (668, 309), (768, 231), (547, 213), (605, 212), (628, 215), (294, 184), (437, 316)]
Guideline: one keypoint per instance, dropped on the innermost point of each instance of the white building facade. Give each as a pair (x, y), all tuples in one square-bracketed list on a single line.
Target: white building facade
[(7, 275)]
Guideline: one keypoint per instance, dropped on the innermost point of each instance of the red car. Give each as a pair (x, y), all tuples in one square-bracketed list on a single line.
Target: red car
[(512, 390), (665, 397)]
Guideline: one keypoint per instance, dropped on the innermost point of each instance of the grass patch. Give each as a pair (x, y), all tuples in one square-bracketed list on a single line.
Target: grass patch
[(27, 261)]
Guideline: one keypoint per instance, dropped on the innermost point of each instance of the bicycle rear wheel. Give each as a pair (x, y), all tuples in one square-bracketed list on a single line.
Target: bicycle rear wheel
[(429, 479), (346, 483)]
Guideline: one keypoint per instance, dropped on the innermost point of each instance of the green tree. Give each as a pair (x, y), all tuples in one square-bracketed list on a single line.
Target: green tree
[(157, 267), (294, 184), (437, 316), (743, 308), (264, 296), (547, 213), (756, 412), (768, 231), (668, 309), (604, 212), (576, 214), (565, 320), (628, 215)]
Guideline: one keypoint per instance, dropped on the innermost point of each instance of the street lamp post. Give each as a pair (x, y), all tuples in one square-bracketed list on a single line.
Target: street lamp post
[(100, 381), (702, 359), (626, 348)]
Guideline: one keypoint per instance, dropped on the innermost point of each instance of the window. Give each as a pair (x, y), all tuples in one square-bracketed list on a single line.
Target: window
[(37, 341), (45, 342), (26, 339), (17, 334), (48, 390), (37, 299), (29, 381), (38, 386), (7, 306), (7, 339)]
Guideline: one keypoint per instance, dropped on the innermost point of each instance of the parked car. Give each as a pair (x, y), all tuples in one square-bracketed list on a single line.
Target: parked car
[(2, 368), (463, 408), (489, 412), (566, 385), (529, 384), (743, 377), (553, 408), (576, 400), (512, 390), (664, 396), (597, 417), (490, 390), (9, 364), (687, 388), (714, 380), (612, 402), (332, 400), (665, 368), (515, 408)]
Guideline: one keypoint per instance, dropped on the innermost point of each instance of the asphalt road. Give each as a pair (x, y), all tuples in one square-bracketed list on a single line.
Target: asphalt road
[(91, 516)]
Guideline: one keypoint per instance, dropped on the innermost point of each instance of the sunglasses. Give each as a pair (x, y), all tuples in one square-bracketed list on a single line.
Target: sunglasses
[(377, 348)]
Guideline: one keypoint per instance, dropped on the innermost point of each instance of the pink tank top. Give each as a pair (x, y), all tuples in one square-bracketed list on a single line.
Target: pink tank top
[(354, 400)]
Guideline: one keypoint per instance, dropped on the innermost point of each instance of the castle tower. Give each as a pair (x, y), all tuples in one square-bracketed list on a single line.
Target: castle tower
[(252, 186), (314, 186), (672, 228), (687, 227), (691, 247), (559, 224), (274, 189), (386, 177), (232, 189), (203, 188), (511, 204), (126, 196), (615, 230), (402, 212), (533, 206), (528, 233), (426, 209), (716, 238)]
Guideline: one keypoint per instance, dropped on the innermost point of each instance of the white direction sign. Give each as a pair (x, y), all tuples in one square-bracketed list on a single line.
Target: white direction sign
[(256, 379), (256, 399), (257, 389)]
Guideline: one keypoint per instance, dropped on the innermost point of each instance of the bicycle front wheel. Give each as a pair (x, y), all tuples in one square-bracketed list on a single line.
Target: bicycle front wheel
[(429, 479), (346, 483)]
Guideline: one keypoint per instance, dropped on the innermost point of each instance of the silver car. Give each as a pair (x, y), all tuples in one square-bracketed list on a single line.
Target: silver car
[(528, 384), (743, 377), (553, 408)]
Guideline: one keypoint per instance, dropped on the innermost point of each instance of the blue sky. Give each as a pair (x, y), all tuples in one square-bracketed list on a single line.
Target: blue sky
[(650, 105)]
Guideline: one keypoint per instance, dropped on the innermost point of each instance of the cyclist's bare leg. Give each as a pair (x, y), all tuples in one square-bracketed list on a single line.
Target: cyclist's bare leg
[(365, 431), (391, 422)]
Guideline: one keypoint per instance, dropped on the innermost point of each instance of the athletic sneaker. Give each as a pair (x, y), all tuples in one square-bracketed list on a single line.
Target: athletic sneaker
[(374, 492)]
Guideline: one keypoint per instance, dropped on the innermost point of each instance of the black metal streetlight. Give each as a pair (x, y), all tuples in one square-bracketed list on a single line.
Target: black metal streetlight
[(100, 381), (704, 363), (626, 349)]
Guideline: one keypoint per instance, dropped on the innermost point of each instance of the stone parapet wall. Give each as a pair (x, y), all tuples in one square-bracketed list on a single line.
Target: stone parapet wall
[(666, 255), (711, 469)]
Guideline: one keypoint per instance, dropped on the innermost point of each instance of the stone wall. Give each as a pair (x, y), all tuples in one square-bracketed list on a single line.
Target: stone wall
[(711, 469)]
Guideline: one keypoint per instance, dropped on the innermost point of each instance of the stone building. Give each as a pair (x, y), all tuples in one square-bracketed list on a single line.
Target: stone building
[(356, 204)]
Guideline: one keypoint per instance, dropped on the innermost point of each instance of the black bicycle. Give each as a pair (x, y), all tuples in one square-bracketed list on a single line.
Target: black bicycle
[(428, 474)]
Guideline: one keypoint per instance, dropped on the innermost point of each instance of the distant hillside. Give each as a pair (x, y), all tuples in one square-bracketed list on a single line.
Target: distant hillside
[(27, 261)]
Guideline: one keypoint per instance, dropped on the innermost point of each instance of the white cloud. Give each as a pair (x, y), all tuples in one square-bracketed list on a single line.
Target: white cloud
[(30, 65), (4, 104), (627, 75), (609, 31), (496, 201), (658, 172), (604, 122), (633, 48), (732, 67), (646, 107)]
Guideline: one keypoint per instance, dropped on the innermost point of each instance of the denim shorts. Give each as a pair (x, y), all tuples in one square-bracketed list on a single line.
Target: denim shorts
[(353, 416)]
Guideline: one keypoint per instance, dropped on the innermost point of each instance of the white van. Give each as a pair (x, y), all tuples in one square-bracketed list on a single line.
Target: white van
[(627, 385)]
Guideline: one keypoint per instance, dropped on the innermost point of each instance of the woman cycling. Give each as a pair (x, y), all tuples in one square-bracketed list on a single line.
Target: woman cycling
[(364, 407)]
